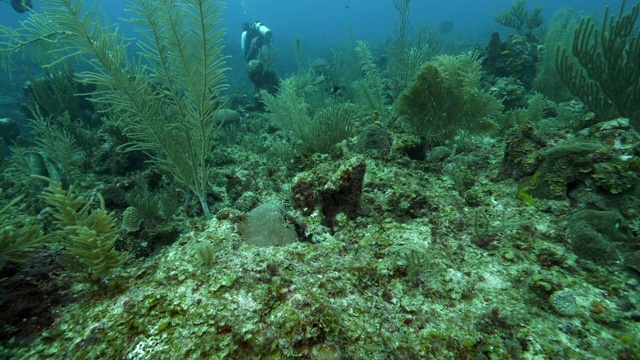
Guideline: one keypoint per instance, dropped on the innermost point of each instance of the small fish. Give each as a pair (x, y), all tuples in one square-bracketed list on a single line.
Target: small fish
[(347, 7), (504, 52)]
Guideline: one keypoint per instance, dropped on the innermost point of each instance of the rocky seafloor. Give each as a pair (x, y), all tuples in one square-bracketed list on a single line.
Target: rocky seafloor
[(516, 249)]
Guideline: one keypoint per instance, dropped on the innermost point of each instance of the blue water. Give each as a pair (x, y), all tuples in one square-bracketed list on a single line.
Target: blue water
[(323, 25), (370, 18), (328, 21)]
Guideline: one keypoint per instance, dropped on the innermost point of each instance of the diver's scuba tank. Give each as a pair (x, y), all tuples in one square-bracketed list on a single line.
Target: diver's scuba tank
[(243, 42), (264, 31)]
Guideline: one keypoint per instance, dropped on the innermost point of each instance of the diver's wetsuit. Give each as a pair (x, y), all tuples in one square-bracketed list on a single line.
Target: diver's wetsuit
[(254, 37), (253, 42)]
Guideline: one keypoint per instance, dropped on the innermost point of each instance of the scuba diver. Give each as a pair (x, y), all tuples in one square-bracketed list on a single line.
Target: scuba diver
[(21, 6), (254, 38), (256, 41)]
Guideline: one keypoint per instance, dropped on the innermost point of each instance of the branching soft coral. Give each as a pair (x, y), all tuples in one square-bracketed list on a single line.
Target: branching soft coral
[(89, 234), (602, 68), (519, 18), (17, 235), (444, 98)]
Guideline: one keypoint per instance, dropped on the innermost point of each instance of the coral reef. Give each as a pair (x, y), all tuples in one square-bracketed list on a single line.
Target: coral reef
[(318, 134), (516, 58), (365, 210), (560, 32)]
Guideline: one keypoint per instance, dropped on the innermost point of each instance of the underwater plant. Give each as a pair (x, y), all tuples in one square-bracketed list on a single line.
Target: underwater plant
[(17, 235), (88, 234), (318, 133), (444, 98), (409, 50), (603, 68), (165, 102), (58, 146), (153, 206), (519, 18), (560, 31), (54, 94), (369, 90)]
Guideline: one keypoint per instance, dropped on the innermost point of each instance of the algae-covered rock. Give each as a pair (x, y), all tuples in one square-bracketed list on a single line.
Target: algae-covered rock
[(263, 77), (562, 165), (227, 117), (632, 260), (329, 189), (617, 165), (439, 153), (594, 234), (265, 226), (320, 65), (522, 144), (564, 302), (375, 140), (601, 157)]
